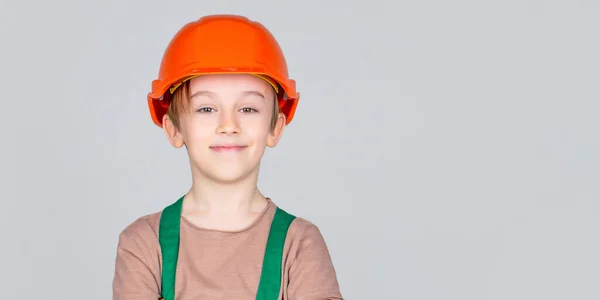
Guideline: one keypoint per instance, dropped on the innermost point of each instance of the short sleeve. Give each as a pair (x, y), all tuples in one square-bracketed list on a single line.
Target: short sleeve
[(312, 275), (134, 278)]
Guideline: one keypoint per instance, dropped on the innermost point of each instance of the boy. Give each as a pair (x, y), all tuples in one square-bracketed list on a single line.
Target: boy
[(223, 92)]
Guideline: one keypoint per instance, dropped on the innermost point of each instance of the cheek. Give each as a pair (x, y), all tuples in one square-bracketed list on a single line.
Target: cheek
[(198, 132), (258, 122), (257, 130)]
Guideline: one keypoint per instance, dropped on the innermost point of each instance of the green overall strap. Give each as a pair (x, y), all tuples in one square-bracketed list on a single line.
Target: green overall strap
[(168, 237), (270, 278)]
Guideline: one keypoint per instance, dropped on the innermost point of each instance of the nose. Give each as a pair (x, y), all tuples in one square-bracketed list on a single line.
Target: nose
[(228, 124)]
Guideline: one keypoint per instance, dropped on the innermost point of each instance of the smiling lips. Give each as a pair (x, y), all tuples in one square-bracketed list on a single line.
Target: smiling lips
[(227, 148)]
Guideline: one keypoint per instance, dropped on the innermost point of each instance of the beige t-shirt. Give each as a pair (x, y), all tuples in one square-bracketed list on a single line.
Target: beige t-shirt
[(217, 265)]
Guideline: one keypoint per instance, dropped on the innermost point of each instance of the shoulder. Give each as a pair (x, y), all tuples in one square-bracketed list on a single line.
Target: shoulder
[(305, 235), (142, 232), (304, 228)]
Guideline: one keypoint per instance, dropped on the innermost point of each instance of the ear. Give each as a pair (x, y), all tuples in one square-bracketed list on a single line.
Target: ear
[(275, 134), (173, 134)]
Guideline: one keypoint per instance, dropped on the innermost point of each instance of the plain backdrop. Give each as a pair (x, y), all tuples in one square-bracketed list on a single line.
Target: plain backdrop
[(446, 149)]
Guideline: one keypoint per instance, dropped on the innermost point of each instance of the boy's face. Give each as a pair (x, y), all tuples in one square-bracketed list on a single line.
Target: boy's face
[(227, 125)]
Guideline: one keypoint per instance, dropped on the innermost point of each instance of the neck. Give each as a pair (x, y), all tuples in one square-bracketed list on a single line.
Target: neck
[(224, 200)]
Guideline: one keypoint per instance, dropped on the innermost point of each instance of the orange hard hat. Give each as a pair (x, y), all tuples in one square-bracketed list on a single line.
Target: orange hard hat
[(222, 44)]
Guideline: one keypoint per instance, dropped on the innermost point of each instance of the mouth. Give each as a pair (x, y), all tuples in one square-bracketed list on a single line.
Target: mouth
[(228, 148)]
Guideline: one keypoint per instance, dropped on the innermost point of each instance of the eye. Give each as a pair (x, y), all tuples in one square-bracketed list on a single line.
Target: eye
[(205, 110), (248, 110)]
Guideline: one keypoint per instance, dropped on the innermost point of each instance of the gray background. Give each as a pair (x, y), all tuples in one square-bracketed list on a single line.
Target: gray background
[(446, 149)]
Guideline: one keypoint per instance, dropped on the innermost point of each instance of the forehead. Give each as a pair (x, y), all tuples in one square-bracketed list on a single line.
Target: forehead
[(229, 83)]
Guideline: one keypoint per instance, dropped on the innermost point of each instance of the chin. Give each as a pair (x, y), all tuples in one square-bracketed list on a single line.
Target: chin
[(228, 174), (229, 178)]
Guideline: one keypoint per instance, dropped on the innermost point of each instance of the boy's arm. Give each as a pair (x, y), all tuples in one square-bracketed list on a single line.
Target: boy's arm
[(312, 275), (133, 278)]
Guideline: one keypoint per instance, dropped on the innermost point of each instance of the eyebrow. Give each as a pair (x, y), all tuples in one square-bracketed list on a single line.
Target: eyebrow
[(256, 93), (202, 93), (211, 94)]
